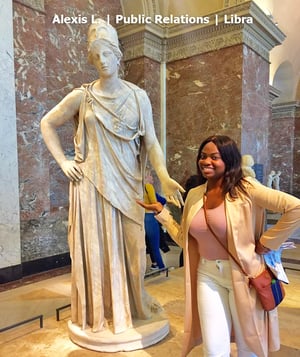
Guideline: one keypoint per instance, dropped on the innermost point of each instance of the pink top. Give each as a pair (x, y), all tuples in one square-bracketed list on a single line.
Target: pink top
[(208, 246)]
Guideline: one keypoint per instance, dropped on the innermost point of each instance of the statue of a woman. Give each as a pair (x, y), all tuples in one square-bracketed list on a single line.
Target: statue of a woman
[(276, 180), (270, 179), (114, 136)]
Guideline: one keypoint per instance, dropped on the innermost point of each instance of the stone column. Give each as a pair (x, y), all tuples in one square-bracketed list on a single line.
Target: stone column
[(10, 253), (144, 65), (144, 58), (285, 145), (296, 158)]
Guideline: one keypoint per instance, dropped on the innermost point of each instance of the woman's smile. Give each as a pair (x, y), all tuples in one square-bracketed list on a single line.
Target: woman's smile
[(211, 164)]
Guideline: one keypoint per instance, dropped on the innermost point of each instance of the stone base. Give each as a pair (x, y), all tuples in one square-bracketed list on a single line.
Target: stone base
[(144, 333)]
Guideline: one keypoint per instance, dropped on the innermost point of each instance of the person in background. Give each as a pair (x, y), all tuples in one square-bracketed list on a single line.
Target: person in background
[(152, 227), (219, 299)]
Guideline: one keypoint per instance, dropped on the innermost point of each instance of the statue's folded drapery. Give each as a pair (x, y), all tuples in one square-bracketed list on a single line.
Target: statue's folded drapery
[(106, 233)]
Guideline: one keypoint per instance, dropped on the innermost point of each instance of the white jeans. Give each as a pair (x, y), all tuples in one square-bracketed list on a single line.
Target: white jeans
[(217, 310)]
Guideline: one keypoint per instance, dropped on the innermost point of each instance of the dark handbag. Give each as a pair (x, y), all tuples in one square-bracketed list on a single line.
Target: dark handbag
[(269, 289)]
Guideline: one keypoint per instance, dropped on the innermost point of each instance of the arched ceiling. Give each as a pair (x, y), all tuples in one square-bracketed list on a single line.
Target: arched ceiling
[(285, 13)]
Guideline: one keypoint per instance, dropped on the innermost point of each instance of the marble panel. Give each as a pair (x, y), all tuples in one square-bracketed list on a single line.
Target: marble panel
[(145, 73), (255, 108), (204, 97), (296, 158), (281, 147), (219, 92), (31, 87), (9, 201), (45, 236), (284, 144)]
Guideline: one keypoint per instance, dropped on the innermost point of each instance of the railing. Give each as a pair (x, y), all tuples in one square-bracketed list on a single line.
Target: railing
[(156, 272), (39, 317), (59, 309)]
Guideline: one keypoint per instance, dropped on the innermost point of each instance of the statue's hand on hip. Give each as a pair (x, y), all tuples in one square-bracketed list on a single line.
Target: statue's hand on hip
[(72, 170)]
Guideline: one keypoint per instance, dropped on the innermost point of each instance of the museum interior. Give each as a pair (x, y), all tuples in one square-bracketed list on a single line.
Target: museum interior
[(228, 67)]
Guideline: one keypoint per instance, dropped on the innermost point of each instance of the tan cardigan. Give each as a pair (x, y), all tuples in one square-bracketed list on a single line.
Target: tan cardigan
[(245, 224)]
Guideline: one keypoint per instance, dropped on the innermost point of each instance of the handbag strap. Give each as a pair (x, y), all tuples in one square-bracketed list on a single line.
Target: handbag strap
[(218, 239)]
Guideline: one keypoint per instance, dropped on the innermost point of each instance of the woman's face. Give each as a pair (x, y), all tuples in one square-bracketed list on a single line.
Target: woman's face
[(104, 59), (211, 164)]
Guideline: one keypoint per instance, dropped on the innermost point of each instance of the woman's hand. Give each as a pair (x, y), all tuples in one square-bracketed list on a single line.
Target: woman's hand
[(72, 170), (261, 249), (154, 207), (172, 191)]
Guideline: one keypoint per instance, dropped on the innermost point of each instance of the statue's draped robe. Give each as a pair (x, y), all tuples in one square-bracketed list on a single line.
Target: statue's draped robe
[(106, 232)]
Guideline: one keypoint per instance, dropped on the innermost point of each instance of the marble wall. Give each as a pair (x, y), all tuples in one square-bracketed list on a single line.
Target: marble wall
[(50, 60), (145, 73), (255, 119), (296, 158), (282, 155), (31, 94), (204, 96), (285, 145), (10, 253), (220, 92)]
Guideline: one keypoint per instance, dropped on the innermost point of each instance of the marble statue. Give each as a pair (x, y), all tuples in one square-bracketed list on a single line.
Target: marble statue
[(247, 164), (114, 138), (270, 179), (276, 180)]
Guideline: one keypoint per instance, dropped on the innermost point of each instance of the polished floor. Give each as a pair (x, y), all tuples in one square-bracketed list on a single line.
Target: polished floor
[(44, 297)]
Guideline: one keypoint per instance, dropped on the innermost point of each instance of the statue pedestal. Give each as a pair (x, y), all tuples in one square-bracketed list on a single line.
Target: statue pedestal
[(144, 333)]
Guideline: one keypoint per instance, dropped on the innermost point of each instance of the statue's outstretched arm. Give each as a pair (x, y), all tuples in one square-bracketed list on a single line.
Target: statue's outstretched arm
[(171, 189)]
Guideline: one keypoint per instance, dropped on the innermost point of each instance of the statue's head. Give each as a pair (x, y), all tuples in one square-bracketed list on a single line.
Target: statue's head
[(101, 30), (247, 160)]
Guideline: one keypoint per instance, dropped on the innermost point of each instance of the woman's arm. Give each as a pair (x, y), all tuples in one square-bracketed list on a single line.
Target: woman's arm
[(163, 215), (281, 202), (59, 115)]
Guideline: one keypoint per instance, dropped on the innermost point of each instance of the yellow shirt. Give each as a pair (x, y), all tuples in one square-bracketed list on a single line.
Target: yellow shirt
[(149, 195)]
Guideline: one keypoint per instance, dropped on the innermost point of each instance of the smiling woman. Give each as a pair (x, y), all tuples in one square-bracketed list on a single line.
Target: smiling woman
[(226, 214)]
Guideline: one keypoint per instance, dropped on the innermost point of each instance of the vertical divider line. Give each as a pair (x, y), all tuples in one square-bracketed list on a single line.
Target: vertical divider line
[(163, 110)]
